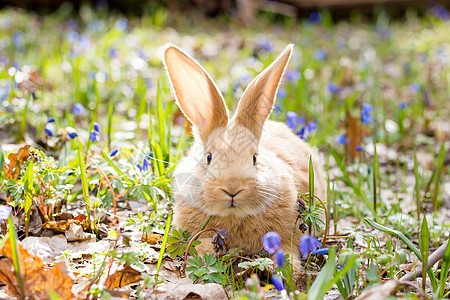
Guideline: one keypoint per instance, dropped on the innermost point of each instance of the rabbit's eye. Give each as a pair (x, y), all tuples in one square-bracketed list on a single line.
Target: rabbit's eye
[(208, 158), (254, 159)]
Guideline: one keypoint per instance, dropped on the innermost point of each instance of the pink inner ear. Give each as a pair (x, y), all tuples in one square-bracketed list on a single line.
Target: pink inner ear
[(197, 95)]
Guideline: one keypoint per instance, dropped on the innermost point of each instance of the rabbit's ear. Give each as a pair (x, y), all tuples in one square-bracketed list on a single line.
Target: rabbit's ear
[(197, 95), (257, 101)]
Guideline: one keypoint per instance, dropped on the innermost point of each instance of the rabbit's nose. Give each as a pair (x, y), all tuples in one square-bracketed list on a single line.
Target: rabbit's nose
[(232, 195)]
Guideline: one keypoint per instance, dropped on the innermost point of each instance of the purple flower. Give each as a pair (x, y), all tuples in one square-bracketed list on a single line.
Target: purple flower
[(311, 126), (114, 152), (281, 93), (292, 75), (49, 131), (414, 88), (293, 120), (332, 88), (308, 244), (51, 120), (4, 212), (112, 52), (271, 242), (146, 165), (315, 17), (278, 282), (150, 155), (121, 24), (366, 111), (95, 137), (139, 167), (264, 44), (78, 109), (320, 54), (359, 148), (342, 139), (97, 127), (279, 255), (440, 12), (402, 105), (73, 135), (301, 133)]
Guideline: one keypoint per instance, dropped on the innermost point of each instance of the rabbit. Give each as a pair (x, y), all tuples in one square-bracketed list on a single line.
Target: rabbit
[(245, 171)]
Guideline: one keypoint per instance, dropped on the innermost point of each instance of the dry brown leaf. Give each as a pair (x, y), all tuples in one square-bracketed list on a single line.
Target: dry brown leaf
[(380, 292), (64, 225), (37, 280), (12, 169), (151, 238), (125, 276)]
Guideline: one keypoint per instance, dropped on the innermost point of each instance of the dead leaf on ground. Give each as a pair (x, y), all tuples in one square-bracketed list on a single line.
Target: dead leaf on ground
[(166, 291), (123, 277), (12, 169), (151, 238), (37, 280), (380, 292), (63, 226)]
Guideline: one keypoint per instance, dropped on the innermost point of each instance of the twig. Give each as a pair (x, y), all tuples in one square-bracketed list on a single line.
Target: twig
[(110, 188), (436, 256)]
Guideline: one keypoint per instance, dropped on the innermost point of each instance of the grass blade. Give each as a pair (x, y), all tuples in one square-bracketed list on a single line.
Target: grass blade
[(444, 270), (437, 178), (163, 246), (417, 185), (321, 285), (424, 240), (111, 163), (28, 189), (15, 255), (86, 199)]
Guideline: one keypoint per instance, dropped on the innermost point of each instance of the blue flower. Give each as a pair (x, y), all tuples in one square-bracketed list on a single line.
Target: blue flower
[(146, 165), (97, 127), (51, 120), (114, 152), (121, 24), (139, 167), (48, 131), (308, 244), (112, 52), (366, 111), (320, 54), (402, 105), (78, 109), (278, 282), (321, 251), (301, 133), (311, 126), (148, 83), (271, 242), (73, 135), (440, 12), (150, 155), (279, 255), (332, 88), (293, 120), (315, 17), (359, 148), (95, 137), (281, 94), (17, 39), (265, 44), (342, 139), (5, 91), (4, 212), (292, 75), (414, 88)]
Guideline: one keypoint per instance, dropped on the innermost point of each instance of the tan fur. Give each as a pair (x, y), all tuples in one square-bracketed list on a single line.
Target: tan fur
[(266, 192)]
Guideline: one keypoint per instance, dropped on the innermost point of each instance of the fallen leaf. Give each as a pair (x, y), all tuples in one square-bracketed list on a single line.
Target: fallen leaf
[(166, 291), (12, 169), (380, 292), (76, 233), (37, 280), (125, 276), (63, 226), (151, 238)]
